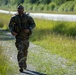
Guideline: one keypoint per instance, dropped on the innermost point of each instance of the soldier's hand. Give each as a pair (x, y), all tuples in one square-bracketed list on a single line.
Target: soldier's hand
[(14, 33), (26, 30)]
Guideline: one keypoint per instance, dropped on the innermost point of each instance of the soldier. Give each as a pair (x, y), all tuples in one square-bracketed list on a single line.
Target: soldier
[(21, 26)]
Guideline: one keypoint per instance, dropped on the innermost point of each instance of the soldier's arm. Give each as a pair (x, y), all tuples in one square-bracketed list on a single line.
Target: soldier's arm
[(11, 24), (31, 23)]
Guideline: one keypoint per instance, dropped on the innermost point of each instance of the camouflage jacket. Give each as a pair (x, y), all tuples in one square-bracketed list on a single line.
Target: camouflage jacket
[(19, 23)]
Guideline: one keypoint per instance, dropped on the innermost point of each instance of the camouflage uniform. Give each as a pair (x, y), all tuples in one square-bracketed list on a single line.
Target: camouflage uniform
[(18, 24)]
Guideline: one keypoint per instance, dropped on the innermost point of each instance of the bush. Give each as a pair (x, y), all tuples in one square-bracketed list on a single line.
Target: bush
[(59, 2), (27, 6), (75, 7), (56, 8), (40, 7), (52, 6), (30, 7), (46, 7), (68, 6), (34, 8)]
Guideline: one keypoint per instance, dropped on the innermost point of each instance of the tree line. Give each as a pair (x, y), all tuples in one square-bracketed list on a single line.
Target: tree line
[(40, 5), (58, 2)]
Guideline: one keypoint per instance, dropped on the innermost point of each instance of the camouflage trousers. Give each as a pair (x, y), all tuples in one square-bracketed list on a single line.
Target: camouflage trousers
[(22, 47)]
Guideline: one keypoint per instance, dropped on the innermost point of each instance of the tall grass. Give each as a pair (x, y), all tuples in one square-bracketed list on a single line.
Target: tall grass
[(4, 20), (68, 6), (5, 68), (57, 37)]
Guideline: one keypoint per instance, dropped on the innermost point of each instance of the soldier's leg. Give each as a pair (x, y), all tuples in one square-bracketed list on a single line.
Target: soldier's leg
[(25, 51), (20, 54), (20, 58)]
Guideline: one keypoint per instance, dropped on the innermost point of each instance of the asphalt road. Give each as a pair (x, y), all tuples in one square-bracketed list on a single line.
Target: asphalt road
[(55, 17)]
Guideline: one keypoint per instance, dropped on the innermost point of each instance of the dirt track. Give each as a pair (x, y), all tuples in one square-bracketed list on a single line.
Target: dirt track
[(7, 42)]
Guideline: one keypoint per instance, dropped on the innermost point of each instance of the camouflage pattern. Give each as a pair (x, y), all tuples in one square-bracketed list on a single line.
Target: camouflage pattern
[(18, 24), (22, 46)]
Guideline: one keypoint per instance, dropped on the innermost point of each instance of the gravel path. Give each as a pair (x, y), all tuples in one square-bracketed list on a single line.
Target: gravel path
[(7, 41)]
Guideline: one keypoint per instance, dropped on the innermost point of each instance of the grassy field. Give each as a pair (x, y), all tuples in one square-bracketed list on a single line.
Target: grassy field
[(4, 20), (57, 37), (5, 68)]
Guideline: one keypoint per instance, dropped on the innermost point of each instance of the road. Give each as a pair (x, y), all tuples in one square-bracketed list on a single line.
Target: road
[(55, 17)]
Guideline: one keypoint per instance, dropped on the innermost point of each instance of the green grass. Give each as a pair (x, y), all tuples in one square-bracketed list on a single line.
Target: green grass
[(5, 68), (4, 20), (57, 37), (43, 62)]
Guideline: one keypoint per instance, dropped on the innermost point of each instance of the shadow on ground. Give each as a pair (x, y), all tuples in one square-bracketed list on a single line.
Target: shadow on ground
[(33, 72), (5, 35)]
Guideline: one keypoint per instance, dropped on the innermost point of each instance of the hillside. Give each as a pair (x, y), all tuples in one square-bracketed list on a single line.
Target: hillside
[(40, 5)]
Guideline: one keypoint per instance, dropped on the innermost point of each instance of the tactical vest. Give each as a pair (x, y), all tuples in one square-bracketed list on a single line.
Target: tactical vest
[(21, 23)]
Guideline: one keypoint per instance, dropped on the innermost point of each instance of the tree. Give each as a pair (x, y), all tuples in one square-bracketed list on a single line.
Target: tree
[(31, 1), (6, 2), (3, 2), (45, 1), (59, 2), (19, 1)]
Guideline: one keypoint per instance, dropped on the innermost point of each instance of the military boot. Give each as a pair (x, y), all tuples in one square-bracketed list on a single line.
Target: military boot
[(21, 69)]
